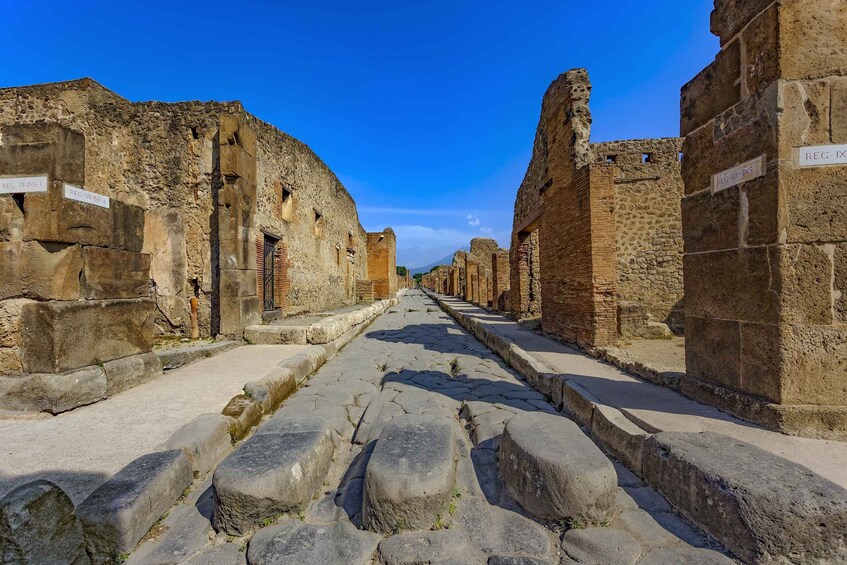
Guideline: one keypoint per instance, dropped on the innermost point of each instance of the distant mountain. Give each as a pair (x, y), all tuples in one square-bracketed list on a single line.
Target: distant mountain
[(444, 261)]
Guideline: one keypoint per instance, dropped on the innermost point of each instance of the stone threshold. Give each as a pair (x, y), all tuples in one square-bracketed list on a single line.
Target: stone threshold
[(175, 357), (117, 515), (734, 479)]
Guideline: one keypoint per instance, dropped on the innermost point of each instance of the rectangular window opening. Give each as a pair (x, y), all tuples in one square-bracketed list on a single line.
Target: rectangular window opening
[(646, 157), (611, 159)]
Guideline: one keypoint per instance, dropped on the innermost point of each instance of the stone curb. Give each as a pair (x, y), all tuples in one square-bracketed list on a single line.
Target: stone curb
[(635, 447), (179, 356), (323, 332)]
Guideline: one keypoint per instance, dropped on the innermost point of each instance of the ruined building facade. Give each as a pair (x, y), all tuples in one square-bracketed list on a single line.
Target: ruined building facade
[(138, 219), (239, 215), (596, 237)]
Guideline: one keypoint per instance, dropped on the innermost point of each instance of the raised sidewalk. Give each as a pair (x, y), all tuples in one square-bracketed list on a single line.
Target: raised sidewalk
[(745, 485)]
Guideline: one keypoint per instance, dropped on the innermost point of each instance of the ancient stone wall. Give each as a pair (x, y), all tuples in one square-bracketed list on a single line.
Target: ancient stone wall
[(166, 158), (382, 263), (76, 320), (764, 216), (648, 232), (459, 259)]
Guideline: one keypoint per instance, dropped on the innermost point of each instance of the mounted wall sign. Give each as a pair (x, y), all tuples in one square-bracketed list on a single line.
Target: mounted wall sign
[(81, 195), (821, 155), (740, 174), (18, 185)]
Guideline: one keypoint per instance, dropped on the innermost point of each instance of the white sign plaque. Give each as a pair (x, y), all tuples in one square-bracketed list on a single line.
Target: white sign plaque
[(739, 174), (17, 185), (81, 195), (821, 155)]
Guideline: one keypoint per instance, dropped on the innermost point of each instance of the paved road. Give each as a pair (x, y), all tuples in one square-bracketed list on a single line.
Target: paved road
[(414, 359)]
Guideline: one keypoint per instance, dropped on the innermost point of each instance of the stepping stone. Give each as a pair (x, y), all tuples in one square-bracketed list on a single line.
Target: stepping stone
[(410, 475), (687, 555), (205, 440), (38, 525), (757, 504), (293, 541), (277, 470), (121, 511), (442, 547), (512, 560), (554, 471), (602, 546)]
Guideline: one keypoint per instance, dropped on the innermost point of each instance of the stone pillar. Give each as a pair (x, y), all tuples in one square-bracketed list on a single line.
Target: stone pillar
[(765, 219), (382, 263), (500, 280), (237, 298)]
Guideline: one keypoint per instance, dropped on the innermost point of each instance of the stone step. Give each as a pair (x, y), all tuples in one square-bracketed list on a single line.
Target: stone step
[(277, 470), (555, 471), (179, 356), (760, 506), (410, 475), (273, 335), (121, 511)]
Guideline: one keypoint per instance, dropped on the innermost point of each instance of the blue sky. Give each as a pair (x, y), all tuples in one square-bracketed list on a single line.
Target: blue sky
[(426, 111)]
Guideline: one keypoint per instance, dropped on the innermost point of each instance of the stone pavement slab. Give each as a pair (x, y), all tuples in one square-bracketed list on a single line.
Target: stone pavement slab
[(81, 449)]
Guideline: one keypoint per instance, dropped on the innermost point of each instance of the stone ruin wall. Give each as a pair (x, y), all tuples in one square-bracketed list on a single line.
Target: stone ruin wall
[(163, 158), (648, 231), (608, 227)]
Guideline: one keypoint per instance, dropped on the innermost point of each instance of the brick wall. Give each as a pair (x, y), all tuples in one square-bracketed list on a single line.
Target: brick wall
[(382, 263), (500, 280)]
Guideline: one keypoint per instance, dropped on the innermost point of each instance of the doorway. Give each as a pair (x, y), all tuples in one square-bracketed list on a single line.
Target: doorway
[(268, 271)]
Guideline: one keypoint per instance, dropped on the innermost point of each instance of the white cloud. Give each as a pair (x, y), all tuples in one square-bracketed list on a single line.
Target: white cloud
[(473, 221), (485, 230), (419, 245)]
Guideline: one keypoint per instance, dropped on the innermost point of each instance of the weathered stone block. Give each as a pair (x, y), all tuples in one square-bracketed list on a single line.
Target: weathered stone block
[(43, 148), (118, 514), (760, 506), (11, 219), (46, 271), (710, 222), (748, 289), (806, 275), (838, 110), (240, 283), (244, 412), (554, 470), (205, 441), (812, 38), (128, 372), (275, 471), (270, 335), (111, 273), (815, 200), (57, 336), (607, 546), (714, 90), (731, 16), (713, 350), (10, 321), (814, 364), (238, 313), (272, 389), (38, 525), (53, 392), (52, 217), (410, 475)]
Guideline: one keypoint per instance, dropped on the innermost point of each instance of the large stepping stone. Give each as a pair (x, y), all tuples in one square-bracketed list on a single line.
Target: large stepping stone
[(38, 525), (277, 470), (555, 471), (410, 475), (293, 541), (760, 506), (687, 555), (118, 514)]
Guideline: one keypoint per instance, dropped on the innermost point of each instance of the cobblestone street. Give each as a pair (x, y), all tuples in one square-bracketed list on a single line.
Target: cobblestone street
[(390, 454)]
